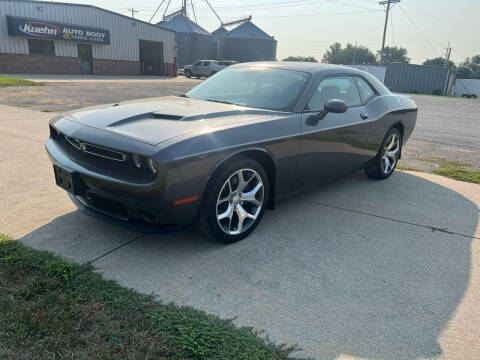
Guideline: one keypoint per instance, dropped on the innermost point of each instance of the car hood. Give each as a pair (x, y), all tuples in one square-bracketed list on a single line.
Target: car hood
[(156, 120)]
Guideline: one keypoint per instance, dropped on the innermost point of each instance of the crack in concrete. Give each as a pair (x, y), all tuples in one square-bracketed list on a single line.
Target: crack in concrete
[(433, 228), (114, 249)]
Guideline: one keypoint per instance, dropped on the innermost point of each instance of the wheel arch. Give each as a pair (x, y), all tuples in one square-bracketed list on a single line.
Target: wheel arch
[(264, 157)]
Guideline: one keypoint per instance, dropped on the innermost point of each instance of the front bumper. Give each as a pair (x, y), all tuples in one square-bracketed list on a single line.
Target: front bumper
[(146, 207)]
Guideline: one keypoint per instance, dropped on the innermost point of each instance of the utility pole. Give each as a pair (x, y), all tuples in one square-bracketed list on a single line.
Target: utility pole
[(389, 4), (133, 12), (447, 54)]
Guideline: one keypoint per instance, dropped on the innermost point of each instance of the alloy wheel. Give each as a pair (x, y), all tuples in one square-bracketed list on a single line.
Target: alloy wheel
[(390, 154), (240, 201)]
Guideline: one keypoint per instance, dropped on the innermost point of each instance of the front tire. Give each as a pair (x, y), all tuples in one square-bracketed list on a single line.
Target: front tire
[(387, 158), (234, 201), (188, 74)]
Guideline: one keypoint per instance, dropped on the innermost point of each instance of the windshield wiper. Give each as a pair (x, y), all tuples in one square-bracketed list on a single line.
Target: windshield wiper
[(221, 101), (183, 95)]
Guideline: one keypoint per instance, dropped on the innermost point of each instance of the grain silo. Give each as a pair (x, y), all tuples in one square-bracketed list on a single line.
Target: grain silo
[(193, 42), (246, 42)]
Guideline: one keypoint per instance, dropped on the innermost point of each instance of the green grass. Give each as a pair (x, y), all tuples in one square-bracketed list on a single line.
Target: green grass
[(454, 169), (51, 308), (6, 81), (406, 168)]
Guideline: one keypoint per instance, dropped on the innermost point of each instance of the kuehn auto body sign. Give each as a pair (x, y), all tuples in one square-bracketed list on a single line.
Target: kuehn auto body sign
[(53, 30)]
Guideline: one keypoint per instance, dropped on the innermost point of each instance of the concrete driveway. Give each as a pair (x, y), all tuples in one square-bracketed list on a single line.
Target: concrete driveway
[(357, 269)]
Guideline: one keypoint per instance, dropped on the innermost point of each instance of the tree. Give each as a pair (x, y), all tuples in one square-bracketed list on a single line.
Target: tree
[(394, 54), (301, 58), (439, 61), (351, 54), (470, 68)]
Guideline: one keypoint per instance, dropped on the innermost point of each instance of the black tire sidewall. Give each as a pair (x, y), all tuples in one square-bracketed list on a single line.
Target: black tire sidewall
[(208, 217)]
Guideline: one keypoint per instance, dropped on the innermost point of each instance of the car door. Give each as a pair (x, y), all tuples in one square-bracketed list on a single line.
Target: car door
[(333, 144), (206, 68), (197, 68)]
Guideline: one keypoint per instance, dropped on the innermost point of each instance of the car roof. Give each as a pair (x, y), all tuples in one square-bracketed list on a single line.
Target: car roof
[(318, 70), (309, 67)]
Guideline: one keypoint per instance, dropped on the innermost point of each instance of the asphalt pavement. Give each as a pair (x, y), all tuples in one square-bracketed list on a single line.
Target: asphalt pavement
[(357, 269)]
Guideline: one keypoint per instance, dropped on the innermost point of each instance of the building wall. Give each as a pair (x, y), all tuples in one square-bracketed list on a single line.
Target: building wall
[(246, 49), (409, 78), (193, 47), (27, 64), (125, 33)]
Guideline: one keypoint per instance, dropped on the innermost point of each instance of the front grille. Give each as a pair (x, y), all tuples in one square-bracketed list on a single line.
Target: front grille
[(103, 160), (103, 152)]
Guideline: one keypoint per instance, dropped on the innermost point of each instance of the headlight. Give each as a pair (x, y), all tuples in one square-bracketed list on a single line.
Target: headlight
[(152, 166)]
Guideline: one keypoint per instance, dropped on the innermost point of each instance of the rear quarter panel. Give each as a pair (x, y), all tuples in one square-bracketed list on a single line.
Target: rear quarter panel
[(388, 110)]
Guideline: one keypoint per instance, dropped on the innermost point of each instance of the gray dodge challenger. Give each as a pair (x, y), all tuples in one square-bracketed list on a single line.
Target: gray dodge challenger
[(221, 154)]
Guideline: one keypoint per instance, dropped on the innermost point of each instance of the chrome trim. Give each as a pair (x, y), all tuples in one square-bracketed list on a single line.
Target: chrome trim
[(74, 142), (84, 145)]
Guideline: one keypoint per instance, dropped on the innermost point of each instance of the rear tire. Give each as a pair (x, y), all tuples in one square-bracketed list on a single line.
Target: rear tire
[(231, 208), (387, 158)]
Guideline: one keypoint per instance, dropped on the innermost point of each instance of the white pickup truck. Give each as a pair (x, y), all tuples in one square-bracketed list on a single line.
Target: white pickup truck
[(205, 68)]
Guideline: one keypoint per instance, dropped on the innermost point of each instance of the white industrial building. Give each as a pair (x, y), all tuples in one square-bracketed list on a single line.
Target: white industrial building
[(62, 38)]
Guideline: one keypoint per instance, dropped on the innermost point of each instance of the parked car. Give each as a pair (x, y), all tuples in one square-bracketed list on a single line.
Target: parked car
[(203, 68), (181, 72), (221, 154)]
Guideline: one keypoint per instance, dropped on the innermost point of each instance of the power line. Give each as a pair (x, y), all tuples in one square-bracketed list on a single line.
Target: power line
[(165, 12), (419, 31), (155, 13), (218, 17), (391, 28)]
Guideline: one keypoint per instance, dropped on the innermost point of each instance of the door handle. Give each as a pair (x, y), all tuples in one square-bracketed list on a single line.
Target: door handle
[(364, 116)]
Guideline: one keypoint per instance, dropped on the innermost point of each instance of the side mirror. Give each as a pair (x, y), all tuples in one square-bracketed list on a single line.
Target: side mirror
[(336, 106)]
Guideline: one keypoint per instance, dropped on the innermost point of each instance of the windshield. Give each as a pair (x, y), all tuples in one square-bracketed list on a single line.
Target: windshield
[(264, 88)]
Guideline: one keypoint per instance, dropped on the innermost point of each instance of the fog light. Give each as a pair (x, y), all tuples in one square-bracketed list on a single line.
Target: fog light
[(137, 161), (152, 166)]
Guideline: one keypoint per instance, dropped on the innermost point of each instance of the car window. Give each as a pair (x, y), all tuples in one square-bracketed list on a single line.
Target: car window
[(337, 87), (206, 63), (198, 63), (366, 91), (263, 88)]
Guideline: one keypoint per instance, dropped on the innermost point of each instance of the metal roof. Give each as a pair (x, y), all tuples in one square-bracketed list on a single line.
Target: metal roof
[(183, 24), (220, 32), (249, 30)]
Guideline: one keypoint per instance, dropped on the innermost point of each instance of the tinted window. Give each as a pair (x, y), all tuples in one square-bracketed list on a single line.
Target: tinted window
[(366, 91), (338, 87), (263, 88), (198, 63), (206, 63), (41, 47)]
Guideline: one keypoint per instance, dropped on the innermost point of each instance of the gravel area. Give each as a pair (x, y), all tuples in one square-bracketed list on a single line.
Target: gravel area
[(446, 127)]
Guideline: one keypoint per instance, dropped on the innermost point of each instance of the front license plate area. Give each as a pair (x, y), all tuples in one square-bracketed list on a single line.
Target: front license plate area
[(68, 180)]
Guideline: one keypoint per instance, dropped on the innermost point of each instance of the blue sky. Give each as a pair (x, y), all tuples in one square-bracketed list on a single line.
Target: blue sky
[(308, 27)]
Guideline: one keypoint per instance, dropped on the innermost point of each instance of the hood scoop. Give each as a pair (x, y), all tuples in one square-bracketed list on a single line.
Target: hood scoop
[(160, 116)]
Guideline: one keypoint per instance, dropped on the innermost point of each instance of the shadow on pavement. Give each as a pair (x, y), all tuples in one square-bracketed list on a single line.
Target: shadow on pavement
[(358, 267)]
